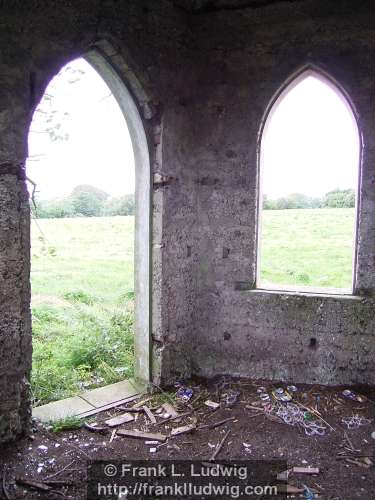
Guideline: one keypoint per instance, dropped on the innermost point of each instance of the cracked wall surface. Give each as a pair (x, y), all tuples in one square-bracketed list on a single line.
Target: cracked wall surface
[(202, 81)]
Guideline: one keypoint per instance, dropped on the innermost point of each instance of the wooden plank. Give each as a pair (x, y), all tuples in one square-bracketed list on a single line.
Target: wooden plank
[(142, 435), (305, 470), (149, 414), (120, 419), (183, 430)]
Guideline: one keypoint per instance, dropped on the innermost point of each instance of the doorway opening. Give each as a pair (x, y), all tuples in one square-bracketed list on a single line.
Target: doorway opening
[(309, 171), (89, 178)]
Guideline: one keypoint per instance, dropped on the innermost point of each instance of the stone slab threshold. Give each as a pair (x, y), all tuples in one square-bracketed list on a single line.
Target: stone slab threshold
[(89, 402)]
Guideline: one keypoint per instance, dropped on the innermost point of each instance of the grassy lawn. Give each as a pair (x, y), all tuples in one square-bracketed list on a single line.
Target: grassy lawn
[(82, 288), (82, 304), (308, 247)]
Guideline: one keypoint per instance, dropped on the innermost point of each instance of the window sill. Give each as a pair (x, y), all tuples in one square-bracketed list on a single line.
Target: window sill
[(333, 293)]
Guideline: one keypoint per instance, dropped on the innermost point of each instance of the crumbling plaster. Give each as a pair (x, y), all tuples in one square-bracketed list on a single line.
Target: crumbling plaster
[(202, 82)]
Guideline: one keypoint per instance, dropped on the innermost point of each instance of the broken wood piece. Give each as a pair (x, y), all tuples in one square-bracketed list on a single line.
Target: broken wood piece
[(59, 482), (33, 484), (113, 434), (305, 470), (289, 489), (217, 424), (168, 408), (142, 435), (119, 420), (5, 490), (149, 414), (130, 409), (284, 475), (183, 430), (94, 428), (212, 404), (219, 446), (141, 403)]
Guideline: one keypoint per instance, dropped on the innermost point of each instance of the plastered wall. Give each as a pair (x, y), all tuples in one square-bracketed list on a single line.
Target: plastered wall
[(202, 82)]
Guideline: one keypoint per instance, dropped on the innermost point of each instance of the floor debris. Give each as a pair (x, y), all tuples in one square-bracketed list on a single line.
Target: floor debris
[(119, 420)]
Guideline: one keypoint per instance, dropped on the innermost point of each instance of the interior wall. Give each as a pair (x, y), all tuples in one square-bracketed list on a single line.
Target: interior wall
[(146, 43), (246, 58), (205, 80)]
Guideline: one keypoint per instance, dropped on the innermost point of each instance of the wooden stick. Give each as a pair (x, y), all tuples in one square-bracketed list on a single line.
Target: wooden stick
[(5, 491), (219, 447), (149, 414), (216, 424), (59, 471)]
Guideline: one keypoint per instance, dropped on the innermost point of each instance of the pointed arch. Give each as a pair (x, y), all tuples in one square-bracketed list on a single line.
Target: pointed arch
[(304, 72)]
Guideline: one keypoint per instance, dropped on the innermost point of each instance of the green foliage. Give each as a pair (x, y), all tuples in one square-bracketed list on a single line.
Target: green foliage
[(87, 201), (53, 209), (79, 296), (82, 323), (84, 201), (339, 198), (66, 424), (121, 205)]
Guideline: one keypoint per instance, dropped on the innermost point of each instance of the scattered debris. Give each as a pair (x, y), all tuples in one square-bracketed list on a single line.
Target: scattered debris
[(289, 489), (219, 446), (308, 494), (184, 393), (231, 397), (170, 409), (217, 424), (4, 486), (183, 430), (94, 428), (280, 395), (149, 414), (212, 404), (355, 421), (305, 470), (142, 435), (38, 485), (348, 394)]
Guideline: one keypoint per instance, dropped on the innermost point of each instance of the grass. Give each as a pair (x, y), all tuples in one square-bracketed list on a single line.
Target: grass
[(82, 304), (82, 288), (308, 247)]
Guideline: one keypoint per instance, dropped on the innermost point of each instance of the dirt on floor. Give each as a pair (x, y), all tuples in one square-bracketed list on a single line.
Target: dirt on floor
[(330, 434)]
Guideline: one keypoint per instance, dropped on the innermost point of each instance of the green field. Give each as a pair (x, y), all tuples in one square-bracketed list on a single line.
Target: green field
[(82, 288), (82, 304), (308, 247)]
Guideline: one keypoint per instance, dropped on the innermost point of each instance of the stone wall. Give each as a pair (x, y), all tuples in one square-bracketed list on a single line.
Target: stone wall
[(246, 58), (206, 78)]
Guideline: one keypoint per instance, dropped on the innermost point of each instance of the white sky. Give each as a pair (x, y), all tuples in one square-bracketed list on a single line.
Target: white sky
[(311, 144), (98, 151)]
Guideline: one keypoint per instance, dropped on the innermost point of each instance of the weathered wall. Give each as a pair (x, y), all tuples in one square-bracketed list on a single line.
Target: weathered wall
[(147, 43), (206, 79), (246, 57)]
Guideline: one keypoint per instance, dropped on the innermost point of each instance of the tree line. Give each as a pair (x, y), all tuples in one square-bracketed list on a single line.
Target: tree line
[(84, 201), (338, 198)]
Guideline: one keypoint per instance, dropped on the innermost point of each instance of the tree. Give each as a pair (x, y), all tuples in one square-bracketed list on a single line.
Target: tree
[(120, 205), (340, 198), (88, 201)]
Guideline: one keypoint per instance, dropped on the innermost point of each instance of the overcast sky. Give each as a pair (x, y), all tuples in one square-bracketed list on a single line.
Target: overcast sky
[(311, 143), (98, 151)]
